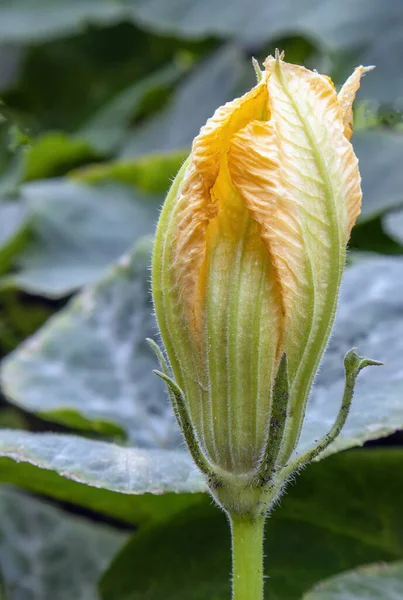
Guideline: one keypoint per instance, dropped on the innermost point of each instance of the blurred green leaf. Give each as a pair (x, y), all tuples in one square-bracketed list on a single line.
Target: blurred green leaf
[(343, 511), (152, 173), (373, 582), (131, 484), (371, 237), (54, 153), (106, 129), (369, 318), (14, 221), (20, 316), (66, 83), (22, 22), (380, 154), (45, 553), (366, 32), (384, 84), (10, 418), (393, 225), (77, 232), (218, 79), (348, 23)]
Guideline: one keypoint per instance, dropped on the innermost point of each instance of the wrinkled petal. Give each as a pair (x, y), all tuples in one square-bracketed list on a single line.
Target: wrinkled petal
[(347, 96), (299, 178), (197, 203)]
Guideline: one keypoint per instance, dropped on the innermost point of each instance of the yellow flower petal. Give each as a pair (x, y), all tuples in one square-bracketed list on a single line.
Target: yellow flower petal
[(198, 202), (346, 98)]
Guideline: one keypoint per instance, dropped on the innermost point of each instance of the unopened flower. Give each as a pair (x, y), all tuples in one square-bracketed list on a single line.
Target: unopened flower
[(247, 264)]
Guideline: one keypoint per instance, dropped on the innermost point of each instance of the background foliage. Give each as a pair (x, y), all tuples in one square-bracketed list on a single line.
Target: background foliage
[(99, 499)]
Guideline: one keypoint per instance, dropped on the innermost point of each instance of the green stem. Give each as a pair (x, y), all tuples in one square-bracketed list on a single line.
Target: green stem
[(247, 558)]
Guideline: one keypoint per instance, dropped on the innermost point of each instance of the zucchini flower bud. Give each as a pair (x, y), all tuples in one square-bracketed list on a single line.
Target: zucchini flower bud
[(248, 257)]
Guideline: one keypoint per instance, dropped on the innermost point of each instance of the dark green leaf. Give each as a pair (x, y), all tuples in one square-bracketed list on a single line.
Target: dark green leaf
[(342, 512), (209, 86), (370, 237), (10, 418), (106, 129), (20, 316)]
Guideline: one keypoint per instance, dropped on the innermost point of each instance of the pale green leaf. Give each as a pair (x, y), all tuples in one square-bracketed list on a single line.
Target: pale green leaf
[(90, 366), (393, 225), (374, 582), (380, 154), (45, 553), (369, 318), (104, 465)]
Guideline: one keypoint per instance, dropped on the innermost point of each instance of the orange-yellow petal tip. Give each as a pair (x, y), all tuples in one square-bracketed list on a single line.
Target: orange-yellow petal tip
[(347, 95)]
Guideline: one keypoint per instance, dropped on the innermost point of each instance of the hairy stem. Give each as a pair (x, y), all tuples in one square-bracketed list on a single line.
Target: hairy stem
[(247, 557)]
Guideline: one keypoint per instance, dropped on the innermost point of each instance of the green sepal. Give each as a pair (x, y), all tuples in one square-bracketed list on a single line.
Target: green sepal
[(353, 364), (178, 402), (278, 419)]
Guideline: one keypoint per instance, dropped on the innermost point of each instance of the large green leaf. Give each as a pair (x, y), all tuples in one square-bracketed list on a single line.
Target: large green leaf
[(45, 553), (77, 231), (96, 372), (103, 464), (64, 85), (374, 582), (131, 484), (342, 512), (90, 367)]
